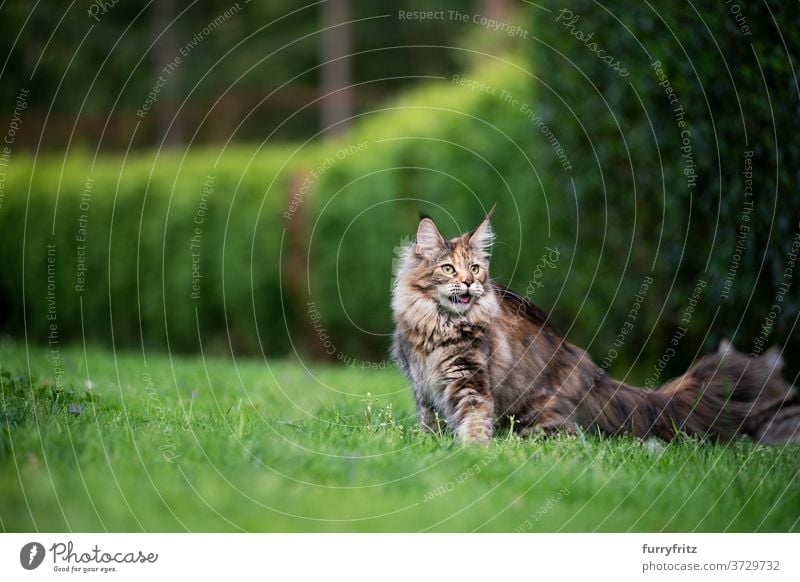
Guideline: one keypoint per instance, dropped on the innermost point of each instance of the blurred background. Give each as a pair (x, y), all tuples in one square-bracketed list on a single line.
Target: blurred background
[(234, 177)]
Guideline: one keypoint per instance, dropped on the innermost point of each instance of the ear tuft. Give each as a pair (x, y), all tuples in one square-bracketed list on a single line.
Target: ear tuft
[(725, 347), (482, 237), (772, 357), (429, 241)]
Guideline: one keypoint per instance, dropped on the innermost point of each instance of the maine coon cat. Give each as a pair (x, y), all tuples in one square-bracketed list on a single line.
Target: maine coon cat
[(477, 354)]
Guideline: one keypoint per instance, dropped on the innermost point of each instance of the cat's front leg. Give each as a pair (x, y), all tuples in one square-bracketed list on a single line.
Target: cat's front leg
[(469, 408), (426, 416)]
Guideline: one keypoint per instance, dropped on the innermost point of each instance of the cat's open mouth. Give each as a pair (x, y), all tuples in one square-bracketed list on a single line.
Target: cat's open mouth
[(460, 298)]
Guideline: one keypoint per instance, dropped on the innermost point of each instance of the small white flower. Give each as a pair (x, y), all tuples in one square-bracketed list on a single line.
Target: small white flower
[(654, 446)]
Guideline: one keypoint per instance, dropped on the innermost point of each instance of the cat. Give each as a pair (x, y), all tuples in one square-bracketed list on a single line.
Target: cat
[(477, 354)]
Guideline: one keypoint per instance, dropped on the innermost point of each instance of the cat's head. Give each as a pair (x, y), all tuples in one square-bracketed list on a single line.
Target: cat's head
[(453, 273)]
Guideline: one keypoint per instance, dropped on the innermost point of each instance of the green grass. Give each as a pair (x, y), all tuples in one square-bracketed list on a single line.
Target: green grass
[(185, 443)]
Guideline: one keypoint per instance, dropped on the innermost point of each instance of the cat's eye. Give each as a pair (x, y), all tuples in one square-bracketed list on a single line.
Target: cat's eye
[(475, 269), (448, 269)]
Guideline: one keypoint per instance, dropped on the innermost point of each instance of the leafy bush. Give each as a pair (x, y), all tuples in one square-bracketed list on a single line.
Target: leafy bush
[(581, 157), (664, 199), (135, 267), (446, 149)]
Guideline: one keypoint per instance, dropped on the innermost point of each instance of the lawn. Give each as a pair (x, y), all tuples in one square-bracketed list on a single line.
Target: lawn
[(118, 443)]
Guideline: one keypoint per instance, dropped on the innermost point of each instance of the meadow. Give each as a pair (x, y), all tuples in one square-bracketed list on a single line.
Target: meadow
[(97, 440)]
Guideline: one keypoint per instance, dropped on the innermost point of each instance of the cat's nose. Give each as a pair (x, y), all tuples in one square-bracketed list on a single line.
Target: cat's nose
[(468, 282)]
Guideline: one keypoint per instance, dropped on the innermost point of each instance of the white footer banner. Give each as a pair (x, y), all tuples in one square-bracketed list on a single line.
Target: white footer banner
[(406, 557)]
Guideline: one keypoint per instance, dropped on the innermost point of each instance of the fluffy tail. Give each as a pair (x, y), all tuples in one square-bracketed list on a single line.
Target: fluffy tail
[(721, 396)]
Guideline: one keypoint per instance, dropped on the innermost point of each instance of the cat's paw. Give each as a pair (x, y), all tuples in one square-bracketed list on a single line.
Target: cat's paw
[(474, 433)]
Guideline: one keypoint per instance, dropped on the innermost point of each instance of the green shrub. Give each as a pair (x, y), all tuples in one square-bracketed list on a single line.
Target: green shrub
[(639, 212), (577, 157), (138, 222), (447, 150)]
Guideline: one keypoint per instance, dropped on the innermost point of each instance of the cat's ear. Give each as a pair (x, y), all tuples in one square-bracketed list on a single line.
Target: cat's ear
[(772, 357), (429, 241), (725, 347), (482, 236)]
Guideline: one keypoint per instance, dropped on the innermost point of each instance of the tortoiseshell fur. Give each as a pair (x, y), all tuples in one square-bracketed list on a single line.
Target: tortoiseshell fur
[(477, 354)]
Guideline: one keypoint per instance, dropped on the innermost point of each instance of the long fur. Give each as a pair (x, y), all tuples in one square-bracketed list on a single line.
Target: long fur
[(472, 366)]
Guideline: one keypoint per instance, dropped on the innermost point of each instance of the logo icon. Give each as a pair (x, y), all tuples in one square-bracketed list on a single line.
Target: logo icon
[(31, 555)]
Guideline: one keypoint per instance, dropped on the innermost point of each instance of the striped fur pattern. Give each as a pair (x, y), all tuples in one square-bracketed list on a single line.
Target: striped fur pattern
[(478, 354)]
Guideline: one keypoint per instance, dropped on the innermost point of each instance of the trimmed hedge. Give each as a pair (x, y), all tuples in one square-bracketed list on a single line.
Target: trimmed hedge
[(662, 157), (584, 163), (123, 253), (447, 149)]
